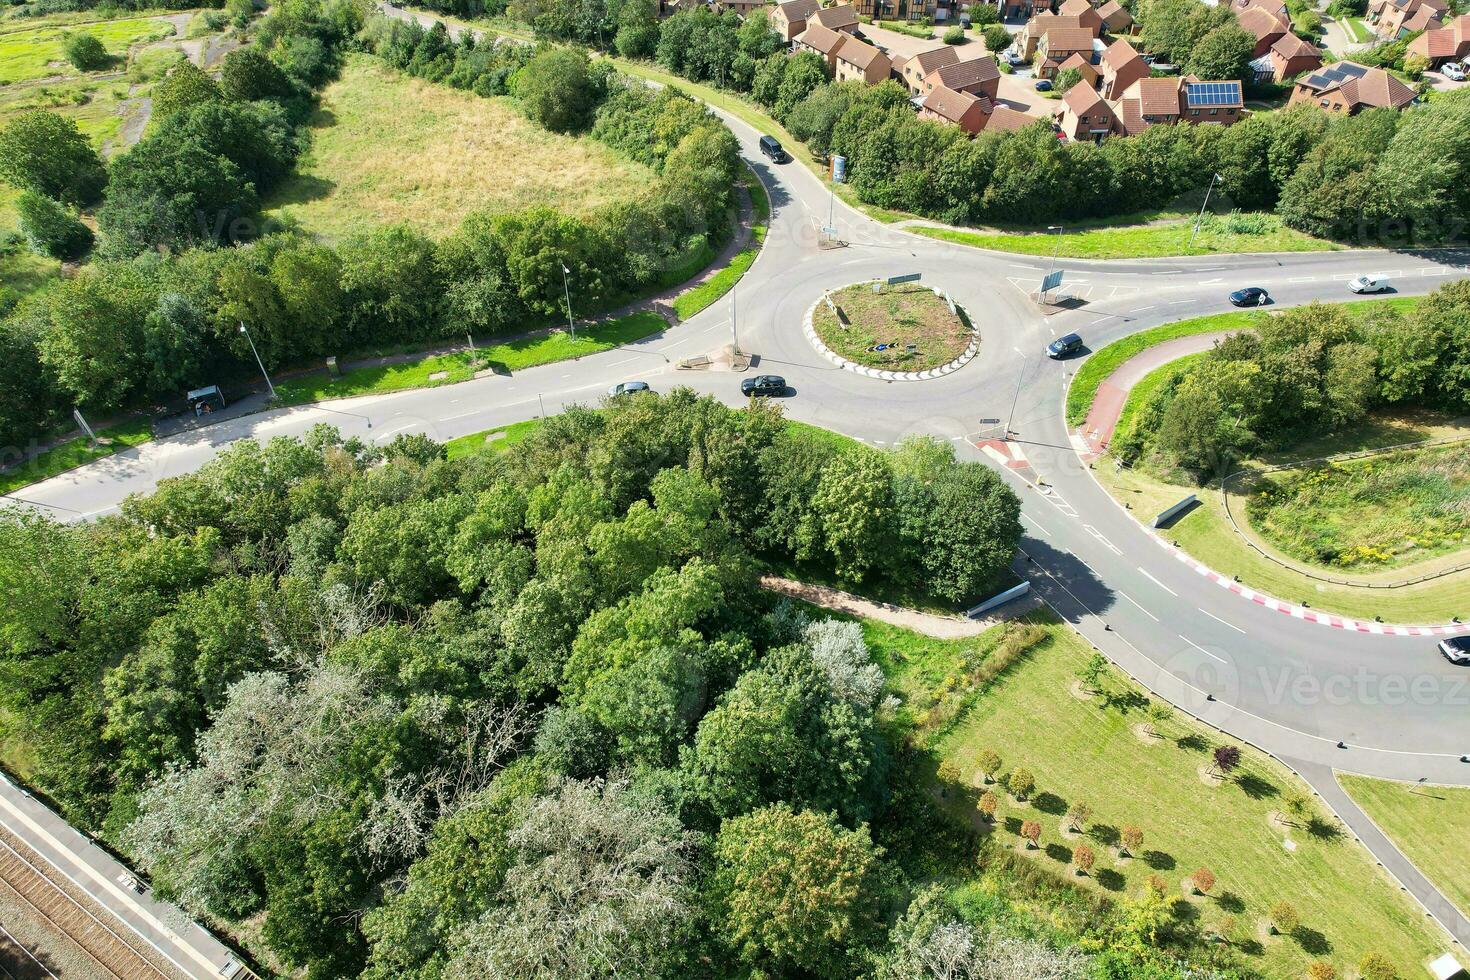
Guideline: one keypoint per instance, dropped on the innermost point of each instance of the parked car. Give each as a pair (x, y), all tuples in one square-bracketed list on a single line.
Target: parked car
[(1250, 296), (1369, 284), (763, 384), (1452, 71), (627, 388), (1064, 346), (772, 148), (1043, 85), (965, 23), (1456, 650)]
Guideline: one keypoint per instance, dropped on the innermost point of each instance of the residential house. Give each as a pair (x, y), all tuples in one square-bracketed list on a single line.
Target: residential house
[(972, 113), (1057, 45), (742, 7), (1083, 66), (1400, 18), (1277, 8), (1087, 15), (1121, 66), (912, 71), (1288, 58), (1168, 101), (821, 40), (1116, 18), (860, 61), (841, 17), (1028, 38), (1086, 116), (1014, 10), (977, 76), (789, 19), (1448, 43), (1266, 27), (1349, 88)]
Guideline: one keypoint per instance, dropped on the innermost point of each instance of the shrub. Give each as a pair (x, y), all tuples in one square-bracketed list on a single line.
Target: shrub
[(1031, 830), (45, 152), (1083, 858), (50, 228), (989, 762), (1284, 919), (997, 38), (1227, 758), (1020, 782), (1376, 966), (1321, 970), (205, 22), (85, 52), (1078, 815), (954, 35), (984, 15), (1131, 838), (987, 805), (1203, 880)]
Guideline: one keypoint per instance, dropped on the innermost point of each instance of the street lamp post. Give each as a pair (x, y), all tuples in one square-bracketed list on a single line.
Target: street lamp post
[(265, 374), (567, 292), (1015, 398), (1057, 230), (734, 335), (1201, 218)]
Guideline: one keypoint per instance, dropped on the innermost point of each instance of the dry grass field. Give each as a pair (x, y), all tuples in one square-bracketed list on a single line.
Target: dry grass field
[(389, 148)]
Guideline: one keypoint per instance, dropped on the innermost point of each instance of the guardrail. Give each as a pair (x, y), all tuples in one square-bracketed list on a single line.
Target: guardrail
[(999, 599), (1171, 512), (1302, 569)]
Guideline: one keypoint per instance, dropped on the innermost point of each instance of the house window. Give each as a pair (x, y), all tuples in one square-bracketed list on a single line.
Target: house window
[(1082, 119), (1214, 112)]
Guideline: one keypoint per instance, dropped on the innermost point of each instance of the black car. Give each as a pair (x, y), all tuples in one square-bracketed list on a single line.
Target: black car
[(772, 148), (1250, 296), (763, 384), (1064, 346), (1456, 650)]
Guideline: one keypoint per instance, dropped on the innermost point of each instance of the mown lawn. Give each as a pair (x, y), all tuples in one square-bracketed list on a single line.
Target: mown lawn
[(1430, 824), (704, 295), (1218, 235), (77, 452), (389, 148), (1382, 512), (893, 316), (512, 355), (37, 53), (1096, 750), (494, 440)]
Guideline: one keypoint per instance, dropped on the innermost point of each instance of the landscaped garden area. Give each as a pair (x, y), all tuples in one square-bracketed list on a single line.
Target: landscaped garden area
[(900, 327), (1092, 780), (1384, 511)]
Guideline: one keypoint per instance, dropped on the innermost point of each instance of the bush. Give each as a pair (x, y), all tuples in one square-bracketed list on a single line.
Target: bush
[(205, 22), (1020, 782), (997, 38), (954, 35), (558, 90), (85, 52), (50, 228), (984, 14), (1376, 966)]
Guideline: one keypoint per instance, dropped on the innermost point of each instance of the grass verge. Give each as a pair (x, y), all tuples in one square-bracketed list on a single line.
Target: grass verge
[(77, 452), (1218, 235), (1430, 824), (443, 369), (1009, 691), (494, 440), (717, 285)]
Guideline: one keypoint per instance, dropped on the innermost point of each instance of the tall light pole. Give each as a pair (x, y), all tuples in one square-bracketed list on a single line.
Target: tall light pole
[(1015, 398), (270, 387), (1057, 230), (567, 292), (1202, 207)]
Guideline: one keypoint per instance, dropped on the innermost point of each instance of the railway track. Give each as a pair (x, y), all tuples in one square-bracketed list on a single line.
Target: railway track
[(105, 944)]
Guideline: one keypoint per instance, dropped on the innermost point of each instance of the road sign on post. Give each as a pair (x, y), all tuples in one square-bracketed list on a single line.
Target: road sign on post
[(839, 169), (1052, 281), (911, 277)]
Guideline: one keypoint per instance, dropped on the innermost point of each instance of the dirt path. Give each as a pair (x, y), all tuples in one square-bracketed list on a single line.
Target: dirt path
[(1107, 405), (930, 624)]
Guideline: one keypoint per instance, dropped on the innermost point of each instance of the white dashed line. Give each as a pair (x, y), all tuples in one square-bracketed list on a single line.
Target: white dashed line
[(1158, 583), (1200, 648), (1035, 525), (1140, 608), (1222, 622)]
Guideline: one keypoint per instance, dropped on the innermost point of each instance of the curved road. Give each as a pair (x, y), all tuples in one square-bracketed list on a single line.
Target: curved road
[(1294, 687)]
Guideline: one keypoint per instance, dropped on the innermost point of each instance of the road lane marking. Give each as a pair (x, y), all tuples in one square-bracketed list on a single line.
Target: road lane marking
[(1198, 647), (1037, 526), (1303, 279), (1141, 309), (1140, 608), (465, 415), (1158, 583), (1222, 622)]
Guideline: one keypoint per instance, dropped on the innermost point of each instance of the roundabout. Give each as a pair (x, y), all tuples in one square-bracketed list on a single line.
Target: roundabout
[(892, 331)]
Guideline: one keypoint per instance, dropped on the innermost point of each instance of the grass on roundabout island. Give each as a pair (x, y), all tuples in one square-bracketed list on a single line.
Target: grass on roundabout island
[(1010, 691), (1430, 824), (895, 317)]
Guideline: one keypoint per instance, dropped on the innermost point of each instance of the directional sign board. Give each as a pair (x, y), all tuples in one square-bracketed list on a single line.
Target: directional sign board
[(1052, 280), (839, 169), (911, 277)]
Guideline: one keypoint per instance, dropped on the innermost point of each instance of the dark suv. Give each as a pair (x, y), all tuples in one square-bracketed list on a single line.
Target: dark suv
[(772, 148), (763, 384), (1064, 346)]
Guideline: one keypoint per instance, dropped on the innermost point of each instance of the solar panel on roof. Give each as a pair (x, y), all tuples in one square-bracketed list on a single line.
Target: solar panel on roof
[(1212, 93), (1336, 74)]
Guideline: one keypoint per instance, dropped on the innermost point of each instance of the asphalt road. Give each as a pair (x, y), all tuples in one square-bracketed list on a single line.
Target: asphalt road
[(1293, 687)]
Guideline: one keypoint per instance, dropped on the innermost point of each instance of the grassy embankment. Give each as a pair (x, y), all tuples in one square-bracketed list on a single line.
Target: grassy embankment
[(1430, 824)]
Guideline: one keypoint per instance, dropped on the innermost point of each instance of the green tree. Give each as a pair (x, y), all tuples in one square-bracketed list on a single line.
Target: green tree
[(637, 35), (1224, 53), (247, 75), (95, 341), (1066, 79), (184, 86), (1020, 782), (50, 228), (45, 152), (997, 38), (558, 90), (852, 502), (1375, 966), (805, 71), (85, 51), (794, 891)]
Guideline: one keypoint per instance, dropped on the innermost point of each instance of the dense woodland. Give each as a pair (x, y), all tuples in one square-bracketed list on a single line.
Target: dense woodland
[(181, 259), (528, 713), (1303, 372)]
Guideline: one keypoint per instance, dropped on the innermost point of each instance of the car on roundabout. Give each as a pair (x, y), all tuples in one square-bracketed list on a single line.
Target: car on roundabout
[(1369, 284), (1064, 346), (1250, 296), (1456, 650), (763, 385), (628, 388)]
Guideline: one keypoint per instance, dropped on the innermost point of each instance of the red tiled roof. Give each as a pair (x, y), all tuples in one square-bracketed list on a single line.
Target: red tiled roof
[(836, 17), (934, 58), (963, 74), (823, 39), (1423, 19), (1082, 100), (1291, 46), (1261, 22), (1068, 39), (1130, 116), (948, 103), (1119, 54), (1156, 96), (794, 10), (1111, 11), (1002, 118), (859, 53), (1075, 60)]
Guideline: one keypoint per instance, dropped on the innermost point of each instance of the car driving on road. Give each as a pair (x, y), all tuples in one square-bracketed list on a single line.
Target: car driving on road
[(1456, 650), (1064, 346), (627, 388), (773, 149), (1250, 296), (763, 384), (1369, 284)]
